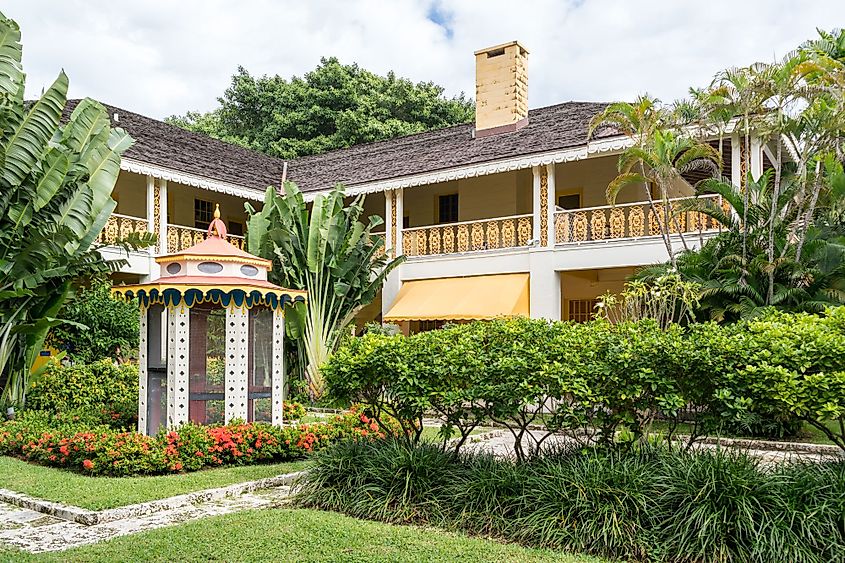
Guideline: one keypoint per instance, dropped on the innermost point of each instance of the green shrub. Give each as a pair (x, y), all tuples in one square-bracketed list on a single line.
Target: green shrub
[(109, 326), (641, 504), (604, 382), (105, 391)]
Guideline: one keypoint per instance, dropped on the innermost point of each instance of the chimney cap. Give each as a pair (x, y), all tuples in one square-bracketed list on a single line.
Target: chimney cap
[(501, 46)]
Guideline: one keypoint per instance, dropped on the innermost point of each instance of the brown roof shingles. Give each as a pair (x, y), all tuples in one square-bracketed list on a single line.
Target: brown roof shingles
[(156, 142)]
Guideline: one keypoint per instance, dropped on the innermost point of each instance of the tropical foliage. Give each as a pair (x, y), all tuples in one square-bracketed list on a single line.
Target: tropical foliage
[(56, 180), (110, 325), (783, 243), (333, 106), (327, 251)]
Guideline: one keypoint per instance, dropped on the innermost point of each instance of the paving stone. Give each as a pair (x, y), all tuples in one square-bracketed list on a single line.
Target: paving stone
[(36, 532)]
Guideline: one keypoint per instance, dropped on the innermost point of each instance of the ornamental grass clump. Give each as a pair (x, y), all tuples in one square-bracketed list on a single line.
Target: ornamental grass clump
[(645, 503)]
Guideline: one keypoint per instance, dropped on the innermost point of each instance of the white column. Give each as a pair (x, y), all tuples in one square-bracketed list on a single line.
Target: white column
[(400, 223), (162, 217), (142, 371), (237, 363), (535, 202), (393, 282), (178, 325), (736, 160), (388, 220), (278, 390), (550, 205), (544, 286), (756, 160)]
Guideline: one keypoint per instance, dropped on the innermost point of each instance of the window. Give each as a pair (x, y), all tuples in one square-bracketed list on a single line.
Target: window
[(203, 212), (236, 228), (406, 222), (447, 208), (569, 201), (581, 310)]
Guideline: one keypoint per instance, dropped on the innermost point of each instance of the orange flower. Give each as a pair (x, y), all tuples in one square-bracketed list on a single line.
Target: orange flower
[(88, 464)]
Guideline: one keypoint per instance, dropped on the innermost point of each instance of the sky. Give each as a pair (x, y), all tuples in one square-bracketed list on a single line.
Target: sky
[(160, 57)]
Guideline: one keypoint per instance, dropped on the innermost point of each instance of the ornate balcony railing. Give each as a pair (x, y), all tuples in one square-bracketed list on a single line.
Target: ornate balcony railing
[(180, 237), (383, 249), (468, 236), (628, 221), (121, 226)]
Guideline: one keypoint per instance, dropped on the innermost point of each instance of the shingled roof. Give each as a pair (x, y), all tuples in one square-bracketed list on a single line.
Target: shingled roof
[(158, 143)]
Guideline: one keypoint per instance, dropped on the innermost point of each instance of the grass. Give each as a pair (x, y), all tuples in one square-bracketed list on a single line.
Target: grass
[(298, 535), (432, 433), (97, 493), (808, 433)]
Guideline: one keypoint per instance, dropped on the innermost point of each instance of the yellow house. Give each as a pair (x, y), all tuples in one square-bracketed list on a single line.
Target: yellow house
[(506, 215)]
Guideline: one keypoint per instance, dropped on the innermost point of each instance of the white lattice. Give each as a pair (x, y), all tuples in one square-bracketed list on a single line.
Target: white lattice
[(142, 372), (237, 364), (278, 366), (178, 321)]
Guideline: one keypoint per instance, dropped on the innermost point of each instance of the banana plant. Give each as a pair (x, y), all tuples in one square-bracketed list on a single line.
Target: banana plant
[(326, 251), (56, 179)]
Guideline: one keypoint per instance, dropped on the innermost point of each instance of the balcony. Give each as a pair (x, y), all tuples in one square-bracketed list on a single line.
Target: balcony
[(180, 237), (120, 226), (468, 236), (628, 221)]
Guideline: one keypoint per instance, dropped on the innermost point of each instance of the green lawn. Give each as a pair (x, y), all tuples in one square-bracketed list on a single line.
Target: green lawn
[(808, 433), (97, 493), (298, 535), (432, 434)]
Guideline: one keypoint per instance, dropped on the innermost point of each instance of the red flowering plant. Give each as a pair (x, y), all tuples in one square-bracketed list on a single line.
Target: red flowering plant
[(73, 443)]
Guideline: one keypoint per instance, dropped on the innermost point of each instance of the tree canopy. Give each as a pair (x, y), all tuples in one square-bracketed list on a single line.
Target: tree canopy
[(333, 106)]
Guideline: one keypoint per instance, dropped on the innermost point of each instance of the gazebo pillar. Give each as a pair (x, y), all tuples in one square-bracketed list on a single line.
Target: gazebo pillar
[(142, 371), (278, 366), (178, 330), (237, 364)]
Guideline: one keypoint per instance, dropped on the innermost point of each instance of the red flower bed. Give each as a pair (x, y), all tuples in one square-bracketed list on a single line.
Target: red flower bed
[(52, 441)]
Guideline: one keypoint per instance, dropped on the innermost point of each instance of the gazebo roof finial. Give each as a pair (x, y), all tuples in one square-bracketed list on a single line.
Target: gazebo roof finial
[(217, 228)]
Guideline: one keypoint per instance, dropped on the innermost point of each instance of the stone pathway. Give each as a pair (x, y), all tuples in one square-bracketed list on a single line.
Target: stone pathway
[(502, 445), (37, 532)]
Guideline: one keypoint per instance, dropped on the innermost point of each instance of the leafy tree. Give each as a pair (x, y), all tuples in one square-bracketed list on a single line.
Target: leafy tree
[(56, 180), (334, 106), (101, 327), (327, 251)]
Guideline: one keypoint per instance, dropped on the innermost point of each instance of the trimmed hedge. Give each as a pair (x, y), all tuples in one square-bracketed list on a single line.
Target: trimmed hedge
[(72, 442), (106, 392), (596, 379), (642, 504)]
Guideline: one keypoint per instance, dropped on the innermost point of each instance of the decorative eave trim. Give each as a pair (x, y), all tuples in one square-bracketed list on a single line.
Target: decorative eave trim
[(146, 169)]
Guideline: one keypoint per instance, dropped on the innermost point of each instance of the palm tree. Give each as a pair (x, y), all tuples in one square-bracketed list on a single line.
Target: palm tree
[(328, 252), (661, 160)]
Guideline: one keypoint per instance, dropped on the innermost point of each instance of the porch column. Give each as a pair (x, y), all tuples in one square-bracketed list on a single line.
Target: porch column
[(537, 203), (152, 204), (162, 217), (756, 160), (142, 369), (279, 368), (178, 332), (550, 197), (736, 160), (394, 212), (237, 366), (544, 286)]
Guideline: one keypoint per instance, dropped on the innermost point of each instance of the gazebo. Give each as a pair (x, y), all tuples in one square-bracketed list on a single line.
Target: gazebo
[(212, 337)]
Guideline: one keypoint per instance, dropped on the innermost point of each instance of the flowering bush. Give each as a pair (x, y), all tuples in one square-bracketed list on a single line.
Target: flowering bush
[(72, 442), (293, 411)]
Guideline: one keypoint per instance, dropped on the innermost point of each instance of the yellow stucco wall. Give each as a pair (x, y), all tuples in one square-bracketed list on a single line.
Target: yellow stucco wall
[(180, 205), (130, 192), (482, 197), (590, 284)]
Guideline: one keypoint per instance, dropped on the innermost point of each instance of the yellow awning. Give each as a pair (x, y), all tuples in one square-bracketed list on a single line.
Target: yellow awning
[(476, 297)]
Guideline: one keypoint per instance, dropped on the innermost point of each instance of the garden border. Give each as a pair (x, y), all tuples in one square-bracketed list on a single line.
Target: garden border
[(90, 517)]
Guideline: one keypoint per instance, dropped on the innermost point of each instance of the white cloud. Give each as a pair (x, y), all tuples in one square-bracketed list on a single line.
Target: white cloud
[(160, 57)]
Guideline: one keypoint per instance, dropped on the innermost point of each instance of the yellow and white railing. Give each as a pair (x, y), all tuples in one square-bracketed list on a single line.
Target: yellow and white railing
[(468, 236), (629, 221)]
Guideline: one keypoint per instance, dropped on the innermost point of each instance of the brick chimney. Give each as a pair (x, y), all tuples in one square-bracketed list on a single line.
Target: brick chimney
[(501, 89)]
